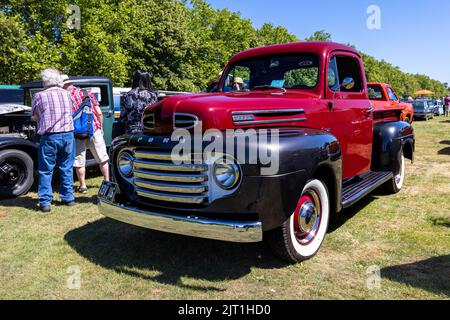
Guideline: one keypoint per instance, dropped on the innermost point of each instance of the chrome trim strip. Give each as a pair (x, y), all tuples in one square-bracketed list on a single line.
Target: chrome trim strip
[(169, 177), (244, 123), (177, 188), (170, 166), (255, 112), (194, 199), (160, 156), (241, 232)]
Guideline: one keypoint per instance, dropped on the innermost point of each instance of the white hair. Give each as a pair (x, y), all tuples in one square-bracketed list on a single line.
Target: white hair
[(51, 77)]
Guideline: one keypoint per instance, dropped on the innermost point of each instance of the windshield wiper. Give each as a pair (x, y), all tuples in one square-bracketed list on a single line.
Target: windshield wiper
[(268, 87)]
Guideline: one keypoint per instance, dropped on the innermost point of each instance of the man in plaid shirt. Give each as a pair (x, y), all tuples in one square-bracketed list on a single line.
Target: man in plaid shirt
[(96, 144), (52, 110)]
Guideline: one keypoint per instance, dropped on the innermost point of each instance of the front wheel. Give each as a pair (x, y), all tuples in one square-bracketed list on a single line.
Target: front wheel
[(394, 185), (301, 236), (16, 173)]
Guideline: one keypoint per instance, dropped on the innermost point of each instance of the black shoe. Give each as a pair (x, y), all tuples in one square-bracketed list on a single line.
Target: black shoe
[(68, 204), (45, 209)]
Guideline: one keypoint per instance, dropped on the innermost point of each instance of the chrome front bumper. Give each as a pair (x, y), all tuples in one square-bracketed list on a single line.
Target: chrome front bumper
[(244, 232)]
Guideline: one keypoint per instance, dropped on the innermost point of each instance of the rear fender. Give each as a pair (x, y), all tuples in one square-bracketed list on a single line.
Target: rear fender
[(391, 141)]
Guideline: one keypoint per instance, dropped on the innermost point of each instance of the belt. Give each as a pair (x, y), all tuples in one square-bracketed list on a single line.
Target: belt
[(53, 133)]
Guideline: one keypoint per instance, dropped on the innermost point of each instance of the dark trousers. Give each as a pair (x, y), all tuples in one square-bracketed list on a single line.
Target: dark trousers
[(56, 150)]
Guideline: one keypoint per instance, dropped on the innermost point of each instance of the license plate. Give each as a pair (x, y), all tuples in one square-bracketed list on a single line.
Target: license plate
[(108, 190)]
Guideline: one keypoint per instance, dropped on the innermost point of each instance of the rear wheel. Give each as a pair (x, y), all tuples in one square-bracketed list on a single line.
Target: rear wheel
[(301, 236), (394, 185), (16, 173)]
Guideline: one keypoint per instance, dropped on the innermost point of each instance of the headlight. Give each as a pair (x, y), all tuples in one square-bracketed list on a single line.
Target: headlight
[(227, 175), (125, 164)]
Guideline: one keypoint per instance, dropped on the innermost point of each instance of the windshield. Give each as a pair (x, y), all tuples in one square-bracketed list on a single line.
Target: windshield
[(419, 104), (299, 71)]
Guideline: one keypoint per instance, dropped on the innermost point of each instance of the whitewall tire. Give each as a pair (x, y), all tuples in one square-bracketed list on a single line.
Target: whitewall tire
[(302, 235)]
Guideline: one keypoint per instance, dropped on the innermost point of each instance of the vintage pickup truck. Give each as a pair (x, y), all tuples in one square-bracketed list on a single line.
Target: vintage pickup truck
[(384, 98), (312, 98)]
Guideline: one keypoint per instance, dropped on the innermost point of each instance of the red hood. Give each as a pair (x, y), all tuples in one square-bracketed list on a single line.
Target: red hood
[(215, 110)]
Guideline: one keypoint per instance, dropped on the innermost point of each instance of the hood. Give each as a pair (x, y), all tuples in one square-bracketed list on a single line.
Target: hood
[(6, 108), (216, 110)]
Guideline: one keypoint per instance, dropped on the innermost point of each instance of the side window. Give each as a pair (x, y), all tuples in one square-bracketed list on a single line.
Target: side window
[(333, 78), (100, 92), (348, 67), (392, 95)]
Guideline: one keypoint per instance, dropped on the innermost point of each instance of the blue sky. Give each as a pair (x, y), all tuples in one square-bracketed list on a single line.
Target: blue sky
[(414, 35)]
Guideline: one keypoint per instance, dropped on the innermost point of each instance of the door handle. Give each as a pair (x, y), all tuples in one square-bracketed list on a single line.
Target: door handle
[(370, 110)]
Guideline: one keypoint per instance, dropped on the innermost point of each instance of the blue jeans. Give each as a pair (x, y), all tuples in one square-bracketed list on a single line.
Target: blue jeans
[(56, 150)]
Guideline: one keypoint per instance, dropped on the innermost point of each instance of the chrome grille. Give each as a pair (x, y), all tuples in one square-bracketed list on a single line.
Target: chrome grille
[(158, 178)]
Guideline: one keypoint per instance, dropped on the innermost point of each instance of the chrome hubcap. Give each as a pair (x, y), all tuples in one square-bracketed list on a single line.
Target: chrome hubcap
[(308, 218)]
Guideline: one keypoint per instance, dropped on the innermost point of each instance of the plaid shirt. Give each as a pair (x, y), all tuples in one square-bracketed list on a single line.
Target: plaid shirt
[(76, 94), (53, 106)]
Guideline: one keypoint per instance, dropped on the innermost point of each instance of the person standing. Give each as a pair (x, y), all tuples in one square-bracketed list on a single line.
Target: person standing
[(52, 110), (96, 143), (447, 105), (134, 102)]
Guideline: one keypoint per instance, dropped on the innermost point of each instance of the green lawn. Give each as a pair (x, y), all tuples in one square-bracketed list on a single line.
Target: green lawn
[(406, 235)]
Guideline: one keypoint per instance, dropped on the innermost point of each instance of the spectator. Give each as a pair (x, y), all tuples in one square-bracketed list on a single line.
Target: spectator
[(447, 105), (96, 144), (134, 102), (52, 110), (238, 84)]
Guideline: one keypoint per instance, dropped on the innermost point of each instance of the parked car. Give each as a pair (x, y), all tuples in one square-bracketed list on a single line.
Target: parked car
[(423, 109), (330, 152), (384, 98), (438, 107)]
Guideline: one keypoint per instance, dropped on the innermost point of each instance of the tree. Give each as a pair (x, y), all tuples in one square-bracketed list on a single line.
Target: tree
[(320, 36), (269, 34)]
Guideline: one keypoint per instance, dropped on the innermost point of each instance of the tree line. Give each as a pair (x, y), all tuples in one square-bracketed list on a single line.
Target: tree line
[(184, 44)]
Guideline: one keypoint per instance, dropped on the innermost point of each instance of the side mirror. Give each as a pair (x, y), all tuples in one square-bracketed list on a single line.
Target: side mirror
[(348, 83)]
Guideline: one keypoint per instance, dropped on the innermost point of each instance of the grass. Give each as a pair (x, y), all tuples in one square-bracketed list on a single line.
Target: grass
[(406, 235)]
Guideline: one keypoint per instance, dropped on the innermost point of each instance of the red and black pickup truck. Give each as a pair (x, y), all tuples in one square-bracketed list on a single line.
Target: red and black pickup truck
[(305, 105)]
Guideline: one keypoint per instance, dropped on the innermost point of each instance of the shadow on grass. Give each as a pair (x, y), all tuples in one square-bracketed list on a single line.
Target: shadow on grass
[(339, 219), (21, 202), (444, 152), (440, 221), (137, 252), (431, 275)]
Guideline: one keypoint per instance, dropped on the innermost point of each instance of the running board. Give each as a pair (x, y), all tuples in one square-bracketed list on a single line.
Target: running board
[(353, 192)]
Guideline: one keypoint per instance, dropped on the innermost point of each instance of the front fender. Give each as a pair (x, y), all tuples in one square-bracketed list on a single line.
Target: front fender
[(19, 143), (392, 140)]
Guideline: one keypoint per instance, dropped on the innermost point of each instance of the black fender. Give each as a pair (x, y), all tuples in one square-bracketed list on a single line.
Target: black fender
[(21, 144), (391, 140), (304, 154)]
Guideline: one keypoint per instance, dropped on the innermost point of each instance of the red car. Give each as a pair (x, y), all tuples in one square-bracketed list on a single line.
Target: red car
[(385, 99), (303, 105)]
